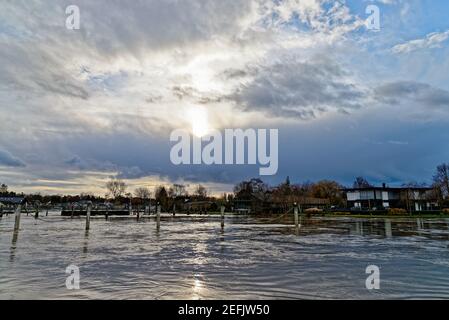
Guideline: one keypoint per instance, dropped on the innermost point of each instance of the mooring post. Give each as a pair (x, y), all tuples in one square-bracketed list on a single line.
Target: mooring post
[(138, 213), (130, 208), (174, 209), (158, 216), (36, 215), (296, 211), (73, 210), (147, 210), (89, 208), (17, 218), (46, 214), (222, 211)]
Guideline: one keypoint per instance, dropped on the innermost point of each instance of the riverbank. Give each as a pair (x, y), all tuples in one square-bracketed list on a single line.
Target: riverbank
[(385, 216)]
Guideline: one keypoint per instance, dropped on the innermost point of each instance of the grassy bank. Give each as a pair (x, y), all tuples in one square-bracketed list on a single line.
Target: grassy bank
[(385, 216)]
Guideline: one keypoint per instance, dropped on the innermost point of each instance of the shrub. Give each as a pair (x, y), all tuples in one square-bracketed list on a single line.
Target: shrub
[(341, 213), (397, 212)]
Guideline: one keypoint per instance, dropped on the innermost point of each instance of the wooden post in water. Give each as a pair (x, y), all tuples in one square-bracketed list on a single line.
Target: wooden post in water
[(222, 211), (89, 208), (17, 218), (138, 212), (130, 208), (158, 216), (36, 215), (73, 211), (296, 211), (174, 209), (147, 210)]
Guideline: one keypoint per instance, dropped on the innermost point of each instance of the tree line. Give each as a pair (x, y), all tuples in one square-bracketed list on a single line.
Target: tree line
[(284, 193)]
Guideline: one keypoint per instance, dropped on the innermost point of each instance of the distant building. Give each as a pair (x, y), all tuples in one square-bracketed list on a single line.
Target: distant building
[(411, 198), (11, 200), (9, 204)]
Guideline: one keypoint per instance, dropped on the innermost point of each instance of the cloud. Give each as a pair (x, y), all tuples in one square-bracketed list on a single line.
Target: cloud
[(7, 159), (425, 95), (432, 40), (298, 89)]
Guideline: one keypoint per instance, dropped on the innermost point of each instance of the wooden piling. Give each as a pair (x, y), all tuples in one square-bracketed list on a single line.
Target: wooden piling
[(158, 217), (296, 212), (36, 215), (222, 210), (17, 218), (89, 208)]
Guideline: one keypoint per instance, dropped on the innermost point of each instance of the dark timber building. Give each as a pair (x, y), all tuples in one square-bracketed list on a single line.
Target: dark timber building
[(410, 198)]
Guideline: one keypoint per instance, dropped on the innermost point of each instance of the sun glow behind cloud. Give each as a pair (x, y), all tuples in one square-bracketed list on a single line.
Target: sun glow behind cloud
[(199, 119)]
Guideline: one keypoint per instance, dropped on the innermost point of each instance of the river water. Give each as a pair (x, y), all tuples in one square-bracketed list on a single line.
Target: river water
[(193, 257)]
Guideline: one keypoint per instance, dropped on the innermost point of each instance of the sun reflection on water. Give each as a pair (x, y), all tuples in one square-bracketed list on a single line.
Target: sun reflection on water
[(197, 287)]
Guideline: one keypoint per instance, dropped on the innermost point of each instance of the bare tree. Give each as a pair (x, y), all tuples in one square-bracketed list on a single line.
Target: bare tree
[(254, 185), (142, 193), (201, 191), (327, 189), (161, 196), (441, 179), (408, 196), (116, 188), (361, 182), (3, 188), (177, 190)]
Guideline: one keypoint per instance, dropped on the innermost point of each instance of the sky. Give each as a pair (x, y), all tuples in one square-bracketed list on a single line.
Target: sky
[(78, 107)]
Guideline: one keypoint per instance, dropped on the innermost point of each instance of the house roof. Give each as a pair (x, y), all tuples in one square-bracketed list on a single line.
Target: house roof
[(387, 189), (12, 200)]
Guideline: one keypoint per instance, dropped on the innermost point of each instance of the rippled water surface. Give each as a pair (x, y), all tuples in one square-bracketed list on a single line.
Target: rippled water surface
[(250, 258)]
